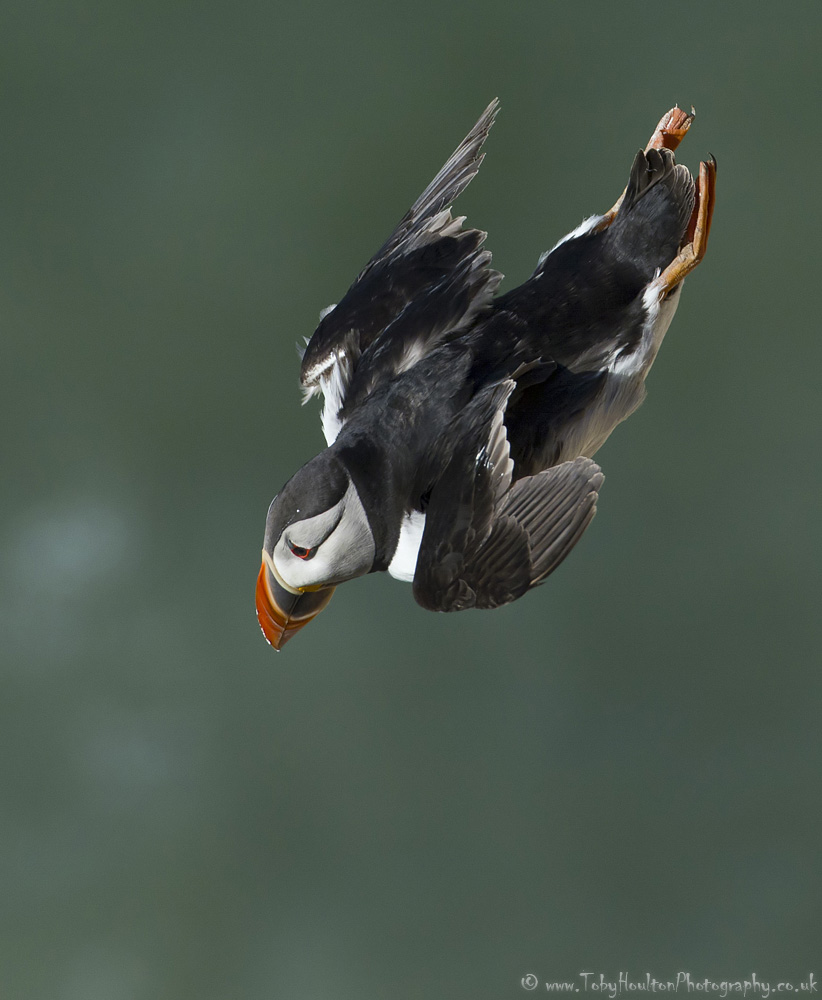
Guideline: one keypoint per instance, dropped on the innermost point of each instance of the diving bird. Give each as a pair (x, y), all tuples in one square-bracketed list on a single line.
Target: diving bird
[(461, 424)]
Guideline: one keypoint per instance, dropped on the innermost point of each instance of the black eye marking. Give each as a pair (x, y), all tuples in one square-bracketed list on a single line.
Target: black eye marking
[(300, 552)]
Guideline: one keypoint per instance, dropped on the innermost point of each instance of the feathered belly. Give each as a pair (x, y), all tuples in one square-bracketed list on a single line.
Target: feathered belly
[(624, 387)]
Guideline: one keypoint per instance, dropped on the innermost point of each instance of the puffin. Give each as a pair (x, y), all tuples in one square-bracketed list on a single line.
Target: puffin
[(461, 424)]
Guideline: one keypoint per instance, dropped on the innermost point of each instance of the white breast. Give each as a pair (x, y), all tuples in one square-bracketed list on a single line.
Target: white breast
[(404, 564)]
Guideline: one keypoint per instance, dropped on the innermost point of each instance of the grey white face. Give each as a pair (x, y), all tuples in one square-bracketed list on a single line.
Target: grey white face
[(326, 549)]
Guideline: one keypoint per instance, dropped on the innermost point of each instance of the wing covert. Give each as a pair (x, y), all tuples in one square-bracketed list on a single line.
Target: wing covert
[(486, 541), (429, 262)]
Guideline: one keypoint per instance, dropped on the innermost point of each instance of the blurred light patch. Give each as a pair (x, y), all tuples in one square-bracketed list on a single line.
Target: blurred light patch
[(100, 973), (60, 565), (69, 548)]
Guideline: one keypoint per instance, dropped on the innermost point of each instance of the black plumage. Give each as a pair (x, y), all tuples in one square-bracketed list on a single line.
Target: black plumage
[(480, 413)]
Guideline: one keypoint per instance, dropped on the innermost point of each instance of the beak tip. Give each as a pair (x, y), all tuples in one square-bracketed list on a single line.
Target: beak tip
[(278, 625)]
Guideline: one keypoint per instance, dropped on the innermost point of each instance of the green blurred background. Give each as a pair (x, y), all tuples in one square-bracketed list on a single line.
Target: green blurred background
[(619, 772)]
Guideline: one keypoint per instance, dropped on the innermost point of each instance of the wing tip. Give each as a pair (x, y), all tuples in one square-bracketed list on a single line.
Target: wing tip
[(555, 507)]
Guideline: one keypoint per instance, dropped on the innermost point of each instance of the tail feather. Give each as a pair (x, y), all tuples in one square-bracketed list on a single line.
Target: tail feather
[(652, 221)]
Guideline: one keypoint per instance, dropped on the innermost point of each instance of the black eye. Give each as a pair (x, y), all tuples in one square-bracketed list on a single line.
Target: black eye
[(300, 552)]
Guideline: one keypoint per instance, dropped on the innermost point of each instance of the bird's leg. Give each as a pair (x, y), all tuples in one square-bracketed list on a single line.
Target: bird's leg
[(698, 229), (671, 129), (668, 134)]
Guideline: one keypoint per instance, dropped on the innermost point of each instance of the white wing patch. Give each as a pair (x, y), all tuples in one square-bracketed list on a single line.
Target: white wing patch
[(496, 454), (404, 564), (333, 383)]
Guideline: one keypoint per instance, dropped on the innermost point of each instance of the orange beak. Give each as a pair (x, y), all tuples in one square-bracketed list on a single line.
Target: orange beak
[(282, 614)]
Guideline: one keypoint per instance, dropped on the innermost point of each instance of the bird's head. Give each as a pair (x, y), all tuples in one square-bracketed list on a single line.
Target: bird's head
[(316, 536)]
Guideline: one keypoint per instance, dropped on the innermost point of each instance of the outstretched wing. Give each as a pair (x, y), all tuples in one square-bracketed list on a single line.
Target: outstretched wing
[(487, 542), (430, 277)]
